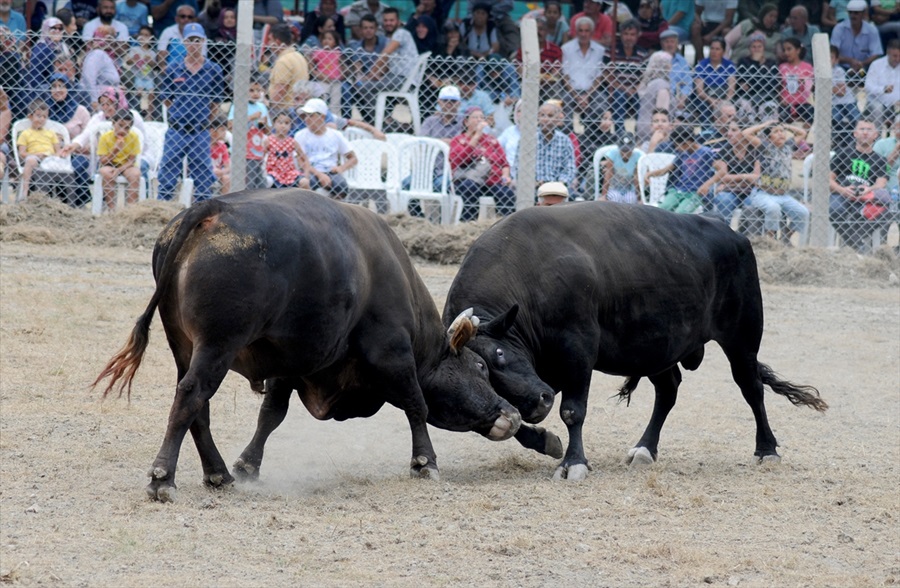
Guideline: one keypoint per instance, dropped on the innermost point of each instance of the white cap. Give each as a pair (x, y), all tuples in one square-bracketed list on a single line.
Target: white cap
[(857, 6), (449, 93), (315, 106), (553, 189)]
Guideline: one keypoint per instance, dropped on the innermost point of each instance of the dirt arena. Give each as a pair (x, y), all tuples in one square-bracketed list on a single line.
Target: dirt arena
[(334, 505)]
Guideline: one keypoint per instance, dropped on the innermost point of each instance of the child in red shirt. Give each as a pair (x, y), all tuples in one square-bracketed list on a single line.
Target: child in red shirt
[(221, 158)]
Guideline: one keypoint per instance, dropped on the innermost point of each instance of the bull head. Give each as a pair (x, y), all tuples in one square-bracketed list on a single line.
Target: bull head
[(462, 329)]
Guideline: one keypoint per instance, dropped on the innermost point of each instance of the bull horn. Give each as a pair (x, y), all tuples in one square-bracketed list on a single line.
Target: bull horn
[(462, 329)]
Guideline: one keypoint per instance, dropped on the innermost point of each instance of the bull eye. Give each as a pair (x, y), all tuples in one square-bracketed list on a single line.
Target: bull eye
[(480, 366), (500, 353)]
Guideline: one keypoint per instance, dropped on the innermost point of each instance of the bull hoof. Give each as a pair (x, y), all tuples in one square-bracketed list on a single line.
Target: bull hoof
[(161, 486), (770, 459), (422, 469), (573, 473), (244, 471), (218, 479), (639, 456), (552, 445)]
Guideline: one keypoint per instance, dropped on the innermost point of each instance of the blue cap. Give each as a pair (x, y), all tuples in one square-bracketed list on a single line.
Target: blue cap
[(194, 30)]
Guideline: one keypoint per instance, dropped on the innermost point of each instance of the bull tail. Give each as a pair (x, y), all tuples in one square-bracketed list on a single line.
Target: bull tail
[(630, 385), (123, 366), (797, 394)]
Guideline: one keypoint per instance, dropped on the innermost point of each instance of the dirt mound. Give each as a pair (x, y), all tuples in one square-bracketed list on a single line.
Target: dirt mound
[(43, 220)]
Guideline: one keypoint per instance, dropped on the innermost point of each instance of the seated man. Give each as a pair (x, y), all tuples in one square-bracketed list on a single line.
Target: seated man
[(360, 58), (857, 40), (603, 31), (552, 193), (583, 77), (106, 15), (624, 68), (479, 33), (883, 84), (555, 159), (325, 149), (694, 171), (444, 124)]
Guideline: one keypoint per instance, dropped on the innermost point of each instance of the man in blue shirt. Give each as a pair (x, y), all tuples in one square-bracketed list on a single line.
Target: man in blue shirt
[(12, 20), (192, 88), (694, 171)]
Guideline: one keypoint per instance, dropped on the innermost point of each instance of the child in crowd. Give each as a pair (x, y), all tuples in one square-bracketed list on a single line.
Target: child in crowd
[(660, 129), (771, 194), (118, 151), (694, 171), (141, 61), (257, 125), (221, 158), (620, 180), (326, 68), (324, 148), (796, 83), (37, 143), (284, 156)]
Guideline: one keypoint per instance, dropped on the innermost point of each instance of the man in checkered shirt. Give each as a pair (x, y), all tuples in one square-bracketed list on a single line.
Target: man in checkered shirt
[(555, 152)]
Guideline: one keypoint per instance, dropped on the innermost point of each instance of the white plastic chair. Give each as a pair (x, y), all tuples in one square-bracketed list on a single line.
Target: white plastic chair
[(653, 193), (61, 165), (356, 133), (599, 155), (421, 158), (370, 173), (121, 182), (154, 141), (409, 91)]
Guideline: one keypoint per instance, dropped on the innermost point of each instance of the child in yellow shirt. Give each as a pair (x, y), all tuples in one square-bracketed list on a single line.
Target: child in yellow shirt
[(36, 143), (118, 151)]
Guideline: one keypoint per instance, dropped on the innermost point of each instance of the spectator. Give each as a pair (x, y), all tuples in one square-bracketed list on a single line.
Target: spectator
[(694, 171), (712, 19), (12, 20), (472, 95), (392, 67), (858, 182), (326, 68), (43, 54), (714, 134), (222, 52), (551, 61), (170, 46), (582, 67), (36, 143), (886, 16), (266, 12), (12, 74), (766, 25), (479, 34), (758, 83), (552, 193), (681, 77), (194, 88), (209, 18), (654, 92), (507, 29), (324, 148), (427, 8), (118, 151), (284, 156), (652, 24), (325, 23), (63, 108), (326, 8), (134, 14), (84, 10), (883, 85), (714, 80), (771, 192), (221, 156), (833, 12), (798, 27), (844, 111), (257, 129), (361, 58), (445, 123), (796, 84), (624, 68), (620, 180), (857, 40), (359, 9), (742, 165), (99, 68), (555, 158), (501, 82), (510, 138), (660, 128), (141, 61), (290, 68), (679, 14), (479, 167), (106, 16), (69, 22), (557, 27), (889, 148), (603, 29), (425, 33), (165, 13)]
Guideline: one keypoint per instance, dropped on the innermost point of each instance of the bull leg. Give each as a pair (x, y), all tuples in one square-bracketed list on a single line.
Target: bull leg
[(271, 414), (539, 439), (745, 371), (215, 472), (572, 410), (666, 385), (192, 393)]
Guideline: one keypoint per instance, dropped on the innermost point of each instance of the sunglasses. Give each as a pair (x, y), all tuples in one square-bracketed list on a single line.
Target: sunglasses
[(186, 16), (58, 28)]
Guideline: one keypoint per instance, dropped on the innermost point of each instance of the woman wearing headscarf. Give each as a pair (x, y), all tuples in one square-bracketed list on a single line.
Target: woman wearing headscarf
[(64, 108), (222, 50), (99, 68), (425, 33), (654, 92), (44, 52), (738, 38)]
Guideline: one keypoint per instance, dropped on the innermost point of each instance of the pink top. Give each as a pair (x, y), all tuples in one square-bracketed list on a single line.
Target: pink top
[(797, 82), (328, 63), (79, 121)]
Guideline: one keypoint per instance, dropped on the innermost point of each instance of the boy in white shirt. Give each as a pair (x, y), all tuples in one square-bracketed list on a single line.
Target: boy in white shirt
[(324, 148)]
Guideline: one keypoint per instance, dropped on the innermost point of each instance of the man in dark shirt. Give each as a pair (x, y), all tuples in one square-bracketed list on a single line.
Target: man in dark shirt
[(858, 196), (624, 72), (742, 171), (193, 89)]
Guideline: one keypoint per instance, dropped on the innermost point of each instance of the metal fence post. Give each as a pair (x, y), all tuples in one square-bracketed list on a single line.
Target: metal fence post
[(821, 173), (241, 95), (531, 75)]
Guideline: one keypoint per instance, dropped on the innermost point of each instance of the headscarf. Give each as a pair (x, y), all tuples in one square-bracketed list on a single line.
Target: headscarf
[(659, 66), (61, 111), (45, 30), (101, 40), (227, 33), (429, 43), (116, 95)]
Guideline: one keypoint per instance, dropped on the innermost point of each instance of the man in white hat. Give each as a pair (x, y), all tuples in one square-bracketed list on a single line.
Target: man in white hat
[(445, 123), (552, 193), (328, 154), (857, 40)]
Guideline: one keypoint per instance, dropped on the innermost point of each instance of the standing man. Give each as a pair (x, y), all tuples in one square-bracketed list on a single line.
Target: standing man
[(290, 68), (582, 68), (170, 47), (106, 15), (192, 89)]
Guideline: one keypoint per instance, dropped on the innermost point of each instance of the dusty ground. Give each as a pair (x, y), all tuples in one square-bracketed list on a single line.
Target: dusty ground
[(334, 505)]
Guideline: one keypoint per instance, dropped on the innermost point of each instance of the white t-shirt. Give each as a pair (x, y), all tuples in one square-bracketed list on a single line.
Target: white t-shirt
[(324, 151), (403, 59), (87, 33)]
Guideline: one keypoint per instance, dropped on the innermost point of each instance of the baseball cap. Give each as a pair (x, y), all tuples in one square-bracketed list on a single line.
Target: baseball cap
[(668, 33), (626, 141), (449, 93), (194, 30), (857, 6), (315, 106)]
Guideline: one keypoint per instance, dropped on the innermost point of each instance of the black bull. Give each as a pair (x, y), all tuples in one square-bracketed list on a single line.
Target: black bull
[(625, 290), (291, 289)]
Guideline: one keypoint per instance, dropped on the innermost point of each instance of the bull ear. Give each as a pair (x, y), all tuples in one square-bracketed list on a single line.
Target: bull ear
[(462, 329), (499, 325)]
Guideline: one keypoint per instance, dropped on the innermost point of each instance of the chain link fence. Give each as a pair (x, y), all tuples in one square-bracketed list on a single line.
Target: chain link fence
[(735, 142)]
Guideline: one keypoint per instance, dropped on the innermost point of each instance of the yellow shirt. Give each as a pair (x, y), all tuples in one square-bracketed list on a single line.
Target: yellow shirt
[(38, 141), (132, 147), (290, 67)]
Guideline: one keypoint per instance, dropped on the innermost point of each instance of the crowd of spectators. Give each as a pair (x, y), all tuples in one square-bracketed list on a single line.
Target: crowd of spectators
[(686, 77)]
